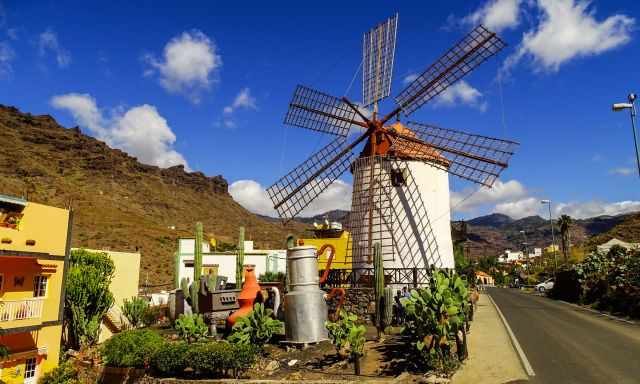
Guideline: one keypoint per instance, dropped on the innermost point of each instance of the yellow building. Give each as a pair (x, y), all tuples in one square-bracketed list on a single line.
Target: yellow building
[(332, 234), (34, 254)]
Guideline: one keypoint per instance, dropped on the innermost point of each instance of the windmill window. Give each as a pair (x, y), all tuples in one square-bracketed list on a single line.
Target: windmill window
[(398, 178)]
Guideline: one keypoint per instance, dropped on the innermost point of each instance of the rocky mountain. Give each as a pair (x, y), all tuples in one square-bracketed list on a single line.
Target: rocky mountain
[(118, 202), (492, 234)]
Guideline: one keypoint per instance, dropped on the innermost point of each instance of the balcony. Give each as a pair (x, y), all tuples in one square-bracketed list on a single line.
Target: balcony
[(25, 309)]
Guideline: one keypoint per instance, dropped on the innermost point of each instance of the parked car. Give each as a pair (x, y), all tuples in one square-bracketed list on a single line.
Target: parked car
[(545, 286)]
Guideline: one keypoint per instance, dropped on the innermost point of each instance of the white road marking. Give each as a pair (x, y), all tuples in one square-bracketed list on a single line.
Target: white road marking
[(523, 358)]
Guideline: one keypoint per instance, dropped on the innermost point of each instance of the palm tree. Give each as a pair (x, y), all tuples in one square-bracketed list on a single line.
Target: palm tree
[(565, 222)]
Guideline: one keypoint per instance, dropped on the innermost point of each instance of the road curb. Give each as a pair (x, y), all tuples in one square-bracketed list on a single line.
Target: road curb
[(578, 306), (523, 358), (607, 315)]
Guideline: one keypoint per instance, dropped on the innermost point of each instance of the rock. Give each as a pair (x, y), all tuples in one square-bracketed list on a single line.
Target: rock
[(293, 362), (272, 366)]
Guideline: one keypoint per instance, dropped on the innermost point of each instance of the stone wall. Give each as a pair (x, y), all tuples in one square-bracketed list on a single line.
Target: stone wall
[(359, 301)]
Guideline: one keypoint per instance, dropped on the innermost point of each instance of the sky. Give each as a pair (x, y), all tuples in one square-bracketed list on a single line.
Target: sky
[(207, 84)]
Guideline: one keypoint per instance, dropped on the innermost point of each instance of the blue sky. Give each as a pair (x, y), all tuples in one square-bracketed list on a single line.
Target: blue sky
[(208, 84)]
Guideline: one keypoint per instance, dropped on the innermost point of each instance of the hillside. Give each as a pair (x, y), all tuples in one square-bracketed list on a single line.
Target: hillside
[(118, 202), (492, 234)]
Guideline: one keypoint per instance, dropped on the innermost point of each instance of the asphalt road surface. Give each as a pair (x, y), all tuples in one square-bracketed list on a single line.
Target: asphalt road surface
[(565, 344)]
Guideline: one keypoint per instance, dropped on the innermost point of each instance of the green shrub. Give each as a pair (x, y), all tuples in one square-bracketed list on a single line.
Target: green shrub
[(131, 348), (272, 277), (65, 373), (170, 359), (191, 328), (340, 331), (257, 328), (435, 314), (87, 296), (220, 359), (151, 316), (134, 310)]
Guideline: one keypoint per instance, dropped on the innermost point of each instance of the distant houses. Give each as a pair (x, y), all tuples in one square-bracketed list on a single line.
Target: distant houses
[(604, 248)]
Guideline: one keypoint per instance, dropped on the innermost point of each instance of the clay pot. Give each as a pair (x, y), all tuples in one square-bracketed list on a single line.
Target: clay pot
[(250, 290)]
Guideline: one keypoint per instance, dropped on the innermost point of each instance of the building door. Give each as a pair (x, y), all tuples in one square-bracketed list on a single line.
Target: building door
[(30, 369)]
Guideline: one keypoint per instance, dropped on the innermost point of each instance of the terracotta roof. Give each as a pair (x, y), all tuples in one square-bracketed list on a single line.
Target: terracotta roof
[(409, 150)]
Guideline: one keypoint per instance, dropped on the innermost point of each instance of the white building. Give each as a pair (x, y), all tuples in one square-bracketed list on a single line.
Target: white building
[(509, 256), (604, 248), (265, 260)]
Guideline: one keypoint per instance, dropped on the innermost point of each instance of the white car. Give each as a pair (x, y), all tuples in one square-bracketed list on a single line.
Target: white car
[(545, 286)]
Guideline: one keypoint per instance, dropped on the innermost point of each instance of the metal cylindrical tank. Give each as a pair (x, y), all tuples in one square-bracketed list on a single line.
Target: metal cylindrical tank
[(305, 307)]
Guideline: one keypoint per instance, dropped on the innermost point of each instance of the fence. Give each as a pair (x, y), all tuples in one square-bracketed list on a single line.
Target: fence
[(20, 309), (363, 277)]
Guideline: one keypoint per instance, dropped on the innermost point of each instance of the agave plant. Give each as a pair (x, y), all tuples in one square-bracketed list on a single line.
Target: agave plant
[(257, 328), (435, 315)]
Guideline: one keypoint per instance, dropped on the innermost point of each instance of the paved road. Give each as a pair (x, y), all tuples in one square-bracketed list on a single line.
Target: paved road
[(565, 344)]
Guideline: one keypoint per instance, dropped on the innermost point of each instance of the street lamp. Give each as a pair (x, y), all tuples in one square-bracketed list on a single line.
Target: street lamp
[(553, 237), (617, 107)]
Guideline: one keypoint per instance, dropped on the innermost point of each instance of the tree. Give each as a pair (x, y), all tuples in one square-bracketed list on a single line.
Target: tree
[(87, 296), (565, 222)]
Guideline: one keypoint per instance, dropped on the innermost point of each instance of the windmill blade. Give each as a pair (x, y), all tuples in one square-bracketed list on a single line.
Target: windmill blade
[(477, 158), (320, 112), (297, 189), (475, 48), (378, 50)]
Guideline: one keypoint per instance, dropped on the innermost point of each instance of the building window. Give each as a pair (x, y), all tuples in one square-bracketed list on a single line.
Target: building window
[(39, 286), (30, 368)]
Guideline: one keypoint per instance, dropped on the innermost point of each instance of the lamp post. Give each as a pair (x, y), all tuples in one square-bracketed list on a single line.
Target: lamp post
[(526, 253), (553, 237), (617, 107)]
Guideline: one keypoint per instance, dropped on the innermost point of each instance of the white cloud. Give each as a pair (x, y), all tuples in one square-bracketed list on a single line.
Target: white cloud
[(253, 196), (140, 131), (243, 100), (6, 57), (189, 65), (596, 208), (461, 93), (48, 41), (410, 78), (518, 209), (496, 15), (469, 200), (622, 171), (568, 30)]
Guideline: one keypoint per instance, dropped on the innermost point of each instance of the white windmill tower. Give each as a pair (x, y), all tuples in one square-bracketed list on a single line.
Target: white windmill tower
[(402, 170)]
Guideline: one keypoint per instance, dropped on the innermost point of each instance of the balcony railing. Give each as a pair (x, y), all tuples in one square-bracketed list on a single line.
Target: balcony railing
[(20, 309)]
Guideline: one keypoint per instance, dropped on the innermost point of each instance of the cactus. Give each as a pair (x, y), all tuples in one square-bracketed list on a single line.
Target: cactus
[(388, 306), (240, 259), (184, 285), (291, 241), (176, 268), (197, 266), (211, 282), (378, 273)]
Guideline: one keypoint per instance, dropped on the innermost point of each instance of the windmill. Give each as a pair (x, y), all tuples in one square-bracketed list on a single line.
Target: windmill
[(400, 166)]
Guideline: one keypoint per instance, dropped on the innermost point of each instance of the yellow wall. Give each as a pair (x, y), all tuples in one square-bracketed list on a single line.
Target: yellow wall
[(44, 224), (340, 260), (48, 226)]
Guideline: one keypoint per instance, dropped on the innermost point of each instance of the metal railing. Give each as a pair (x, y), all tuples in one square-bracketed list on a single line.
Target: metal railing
[(363, 277), (21, 309)]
